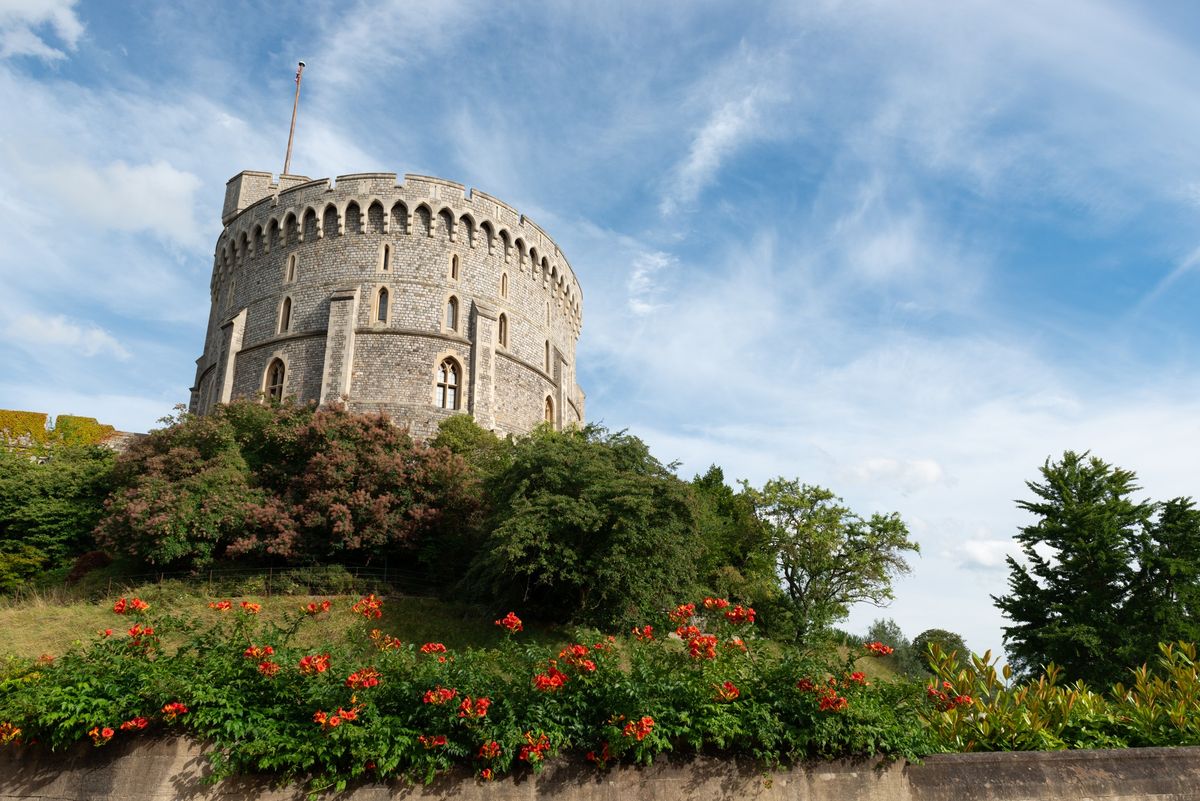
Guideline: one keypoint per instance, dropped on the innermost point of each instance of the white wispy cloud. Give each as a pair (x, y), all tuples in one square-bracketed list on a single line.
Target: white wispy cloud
[(55, 332), (23, 24), (156, 198), (735, 99), (1187, 265), (644, 290), (728, 128)]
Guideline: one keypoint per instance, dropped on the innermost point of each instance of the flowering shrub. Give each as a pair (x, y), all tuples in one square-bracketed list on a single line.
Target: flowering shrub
[(269, 704)]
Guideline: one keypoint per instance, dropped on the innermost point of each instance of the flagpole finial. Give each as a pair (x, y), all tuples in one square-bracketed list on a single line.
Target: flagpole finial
[(287, 160)]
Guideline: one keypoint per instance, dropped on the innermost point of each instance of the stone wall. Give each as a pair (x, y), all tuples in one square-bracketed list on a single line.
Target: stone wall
[(158, 770), (313, 245)]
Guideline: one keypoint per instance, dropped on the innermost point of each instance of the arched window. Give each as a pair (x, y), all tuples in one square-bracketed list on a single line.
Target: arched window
[(452, 313), (385, 264), (285, 316), (273, 387), (549, 410), (547, 355), (381, 306), (454, 267), (447, 384), (502, 331), (291, 269), (504, 285)]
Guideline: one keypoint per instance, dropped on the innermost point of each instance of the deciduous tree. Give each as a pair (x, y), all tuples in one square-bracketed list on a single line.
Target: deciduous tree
[(828, 557)]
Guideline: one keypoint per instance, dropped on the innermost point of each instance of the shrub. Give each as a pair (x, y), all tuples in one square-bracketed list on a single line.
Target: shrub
[(587, 527), (378, 708), (282, 483)]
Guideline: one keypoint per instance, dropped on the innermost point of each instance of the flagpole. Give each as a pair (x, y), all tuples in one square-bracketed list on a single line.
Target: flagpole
[(287, 160)]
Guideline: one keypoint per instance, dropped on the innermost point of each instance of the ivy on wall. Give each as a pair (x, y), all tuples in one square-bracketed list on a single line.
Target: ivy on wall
[(31, 430)]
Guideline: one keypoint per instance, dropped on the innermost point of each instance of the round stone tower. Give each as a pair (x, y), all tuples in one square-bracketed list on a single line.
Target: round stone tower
[(416, 298)]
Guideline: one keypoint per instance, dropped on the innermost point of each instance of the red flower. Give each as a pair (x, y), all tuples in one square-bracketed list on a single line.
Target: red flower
[(363, 678), (489, 750), (315, 608), (268, 669), (134, 724), (534, 749), (857, 677), (553, 679), (639, 728), (258, 651), (736, 644), (220, 606), (682, 613), (602, 757), (369, 607), (486, 774), (100, 736), (251, 608), (511, 622), (8, 733), (173, 710), (476, 709), (136, 604), (105, 632), (740, 614), (385, 642), (440, 695), (715, 603), (314, 664), (139, 633), (728, 692), (644, 634), (576, 657), (433, 648), (832, 702), (703, 646), (332, 721), (806, 685), (879, 649), (432, 742)]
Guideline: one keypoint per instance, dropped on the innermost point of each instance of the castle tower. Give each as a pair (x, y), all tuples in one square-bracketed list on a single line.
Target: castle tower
[(416, 298)]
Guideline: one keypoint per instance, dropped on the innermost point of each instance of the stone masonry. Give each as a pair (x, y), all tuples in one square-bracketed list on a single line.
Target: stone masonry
[(347, 285)]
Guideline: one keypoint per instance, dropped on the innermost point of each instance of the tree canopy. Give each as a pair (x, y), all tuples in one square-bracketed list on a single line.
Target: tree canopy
[(828, 557), (1103, 577), (587, 526)]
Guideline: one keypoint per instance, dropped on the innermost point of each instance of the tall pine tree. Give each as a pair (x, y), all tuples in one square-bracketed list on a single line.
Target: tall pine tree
[(1106, 578), (1073, 602)]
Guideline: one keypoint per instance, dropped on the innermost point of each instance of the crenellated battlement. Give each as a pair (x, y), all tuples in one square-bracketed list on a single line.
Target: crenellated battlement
[(411, 294), (256, 204)]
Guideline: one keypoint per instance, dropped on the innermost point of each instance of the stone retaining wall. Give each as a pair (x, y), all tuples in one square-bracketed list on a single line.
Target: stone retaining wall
[(170, 770)]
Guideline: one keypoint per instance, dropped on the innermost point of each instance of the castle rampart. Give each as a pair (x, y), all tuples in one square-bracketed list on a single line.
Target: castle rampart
[(418, 298)]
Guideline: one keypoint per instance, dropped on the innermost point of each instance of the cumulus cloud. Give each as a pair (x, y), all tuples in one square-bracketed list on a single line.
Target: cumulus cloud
[(57, 332), (23, 24), (908, 475), (985, 554)]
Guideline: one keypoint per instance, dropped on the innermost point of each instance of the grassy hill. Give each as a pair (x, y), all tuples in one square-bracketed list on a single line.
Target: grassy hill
[(50, 622)]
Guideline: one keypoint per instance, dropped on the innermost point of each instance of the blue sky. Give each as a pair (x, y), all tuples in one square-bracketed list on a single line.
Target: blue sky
[(905, 250)]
